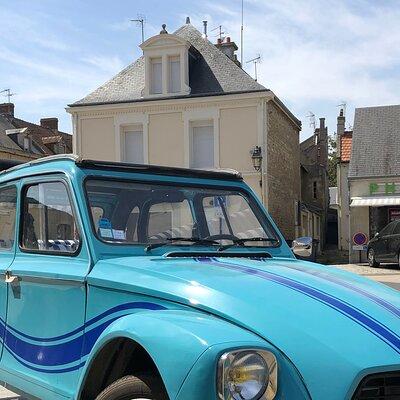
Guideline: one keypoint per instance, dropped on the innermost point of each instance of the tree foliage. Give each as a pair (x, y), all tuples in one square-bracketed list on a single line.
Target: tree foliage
[(333, 160)]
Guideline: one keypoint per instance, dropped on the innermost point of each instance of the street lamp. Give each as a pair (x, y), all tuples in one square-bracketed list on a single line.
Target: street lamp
[(256, 158)]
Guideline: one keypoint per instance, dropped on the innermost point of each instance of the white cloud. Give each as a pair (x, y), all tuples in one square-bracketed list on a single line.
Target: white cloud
[(319, 52)]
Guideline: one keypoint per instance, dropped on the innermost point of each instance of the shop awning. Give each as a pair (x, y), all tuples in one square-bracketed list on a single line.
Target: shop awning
[(375, 201)]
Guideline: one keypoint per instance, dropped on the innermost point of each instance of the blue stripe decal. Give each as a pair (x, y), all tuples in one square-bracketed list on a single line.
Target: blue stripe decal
[(358, 316), (341, 282), (57, 356)]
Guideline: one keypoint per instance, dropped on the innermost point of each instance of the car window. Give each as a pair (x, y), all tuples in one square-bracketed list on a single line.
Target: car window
[(232, 215), (168, 220), (388, 229), (48, 222), (8, 201)]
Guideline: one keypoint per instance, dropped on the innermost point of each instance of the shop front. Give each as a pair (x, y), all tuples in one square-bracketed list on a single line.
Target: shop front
[(374, 203)]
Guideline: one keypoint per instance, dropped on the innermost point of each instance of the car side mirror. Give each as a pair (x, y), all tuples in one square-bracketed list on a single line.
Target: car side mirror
[(303, 247)]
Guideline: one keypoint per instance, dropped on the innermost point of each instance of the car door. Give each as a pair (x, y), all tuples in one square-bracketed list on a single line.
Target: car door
[(393, 243), (8, 207), (382, 245), (47, 292)]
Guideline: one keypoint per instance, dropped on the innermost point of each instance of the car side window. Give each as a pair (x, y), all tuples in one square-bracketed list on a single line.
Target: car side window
[(387, 230), (48, 222), (8, 202)]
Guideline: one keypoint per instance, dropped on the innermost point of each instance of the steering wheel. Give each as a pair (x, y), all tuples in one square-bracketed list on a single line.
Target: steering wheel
[(222, 236)]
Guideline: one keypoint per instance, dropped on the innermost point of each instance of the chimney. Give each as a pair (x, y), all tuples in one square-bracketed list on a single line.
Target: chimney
[(50, 123), (187, 20), (341, 120), (228, 48), (7, 108), (205, 35)]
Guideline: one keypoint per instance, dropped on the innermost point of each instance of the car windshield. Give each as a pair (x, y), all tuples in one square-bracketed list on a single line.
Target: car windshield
[(154, 214)]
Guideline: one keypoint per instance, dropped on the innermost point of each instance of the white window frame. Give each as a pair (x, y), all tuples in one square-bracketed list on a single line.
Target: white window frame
[(126, 122), (198, 116)]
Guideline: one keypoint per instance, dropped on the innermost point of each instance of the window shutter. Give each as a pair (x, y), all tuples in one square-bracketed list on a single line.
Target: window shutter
[(174, 75), (134, 147), (202, 147), (156, 76)]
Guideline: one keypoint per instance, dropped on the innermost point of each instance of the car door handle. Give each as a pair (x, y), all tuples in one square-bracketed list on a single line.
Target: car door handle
[(9, 278)]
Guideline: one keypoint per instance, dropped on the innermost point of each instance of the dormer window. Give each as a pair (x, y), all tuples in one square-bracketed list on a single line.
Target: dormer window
[(166, 65), (156, 76), (174, 74)]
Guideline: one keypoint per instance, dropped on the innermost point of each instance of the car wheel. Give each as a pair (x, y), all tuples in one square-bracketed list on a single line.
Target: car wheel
[(371, 259), (131, 388)]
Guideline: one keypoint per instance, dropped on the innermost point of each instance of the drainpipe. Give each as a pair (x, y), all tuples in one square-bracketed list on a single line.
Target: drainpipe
[(264, 164)]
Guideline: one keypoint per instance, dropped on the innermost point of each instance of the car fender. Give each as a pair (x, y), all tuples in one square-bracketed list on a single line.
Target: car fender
[(174, 339)]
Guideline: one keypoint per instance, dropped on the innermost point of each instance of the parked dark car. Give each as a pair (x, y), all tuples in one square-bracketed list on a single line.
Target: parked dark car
[(385, 245)]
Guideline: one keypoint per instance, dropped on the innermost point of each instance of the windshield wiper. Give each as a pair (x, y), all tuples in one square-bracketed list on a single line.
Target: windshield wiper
[(241, 242), (194, 240)]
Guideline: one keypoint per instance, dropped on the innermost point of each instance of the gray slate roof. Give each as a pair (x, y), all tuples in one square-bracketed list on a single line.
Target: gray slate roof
[(211, 72), (376, 142), (5, 141)]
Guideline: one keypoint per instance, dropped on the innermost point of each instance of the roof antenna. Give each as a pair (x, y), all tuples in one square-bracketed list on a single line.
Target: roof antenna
[(311, 117), (343, 106), (220, 31), (8, 94), (205, 30), (241, 36), (256, 61), (140, 21)]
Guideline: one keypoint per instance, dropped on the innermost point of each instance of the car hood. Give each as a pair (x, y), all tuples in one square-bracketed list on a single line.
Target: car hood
[(327, 321)]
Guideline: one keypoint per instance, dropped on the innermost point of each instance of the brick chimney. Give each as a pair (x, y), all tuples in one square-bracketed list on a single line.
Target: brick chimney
[(341, 120), (50, 123), (7, 108), (228, 48)]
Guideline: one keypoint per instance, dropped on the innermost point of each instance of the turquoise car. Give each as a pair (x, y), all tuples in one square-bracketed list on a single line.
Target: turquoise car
[(126, 281)]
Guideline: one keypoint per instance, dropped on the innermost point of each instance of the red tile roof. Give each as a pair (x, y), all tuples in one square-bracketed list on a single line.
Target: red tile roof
[(345, 146)]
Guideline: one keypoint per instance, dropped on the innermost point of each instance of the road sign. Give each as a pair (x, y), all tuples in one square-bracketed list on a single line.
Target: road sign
[(360, 239)]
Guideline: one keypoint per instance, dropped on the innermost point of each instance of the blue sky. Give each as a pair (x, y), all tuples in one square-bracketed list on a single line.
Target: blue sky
[(315, 53)]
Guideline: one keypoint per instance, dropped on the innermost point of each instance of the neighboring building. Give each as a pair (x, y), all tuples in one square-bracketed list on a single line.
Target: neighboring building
[(315, 184), (187, 102), (24, 141), (374, 172), (344, 144)]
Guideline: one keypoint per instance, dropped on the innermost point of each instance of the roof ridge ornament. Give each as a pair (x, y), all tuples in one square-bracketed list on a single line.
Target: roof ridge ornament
[(163, 31)]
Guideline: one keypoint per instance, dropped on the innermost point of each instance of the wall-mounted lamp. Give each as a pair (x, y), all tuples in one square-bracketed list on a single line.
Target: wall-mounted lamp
[(256, 158)]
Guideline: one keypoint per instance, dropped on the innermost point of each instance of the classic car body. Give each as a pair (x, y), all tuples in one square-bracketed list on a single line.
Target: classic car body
[(79, 314)]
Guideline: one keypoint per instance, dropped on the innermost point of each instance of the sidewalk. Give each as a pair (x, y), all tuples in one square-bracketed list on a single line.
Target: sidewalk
[(387, 274)]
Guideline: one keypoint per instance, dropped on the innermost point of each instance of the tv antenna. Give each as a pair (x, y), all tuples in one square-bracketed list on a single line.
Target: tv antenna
[(140, 21), (241, 36), (8, 94), (343, 105), (220, 31), (311, 117), (255, 61)]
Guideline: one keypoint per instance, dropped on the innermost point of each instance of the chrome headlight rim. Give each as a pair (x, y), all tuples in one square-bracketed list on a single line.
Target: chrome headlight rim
[(271, 386)]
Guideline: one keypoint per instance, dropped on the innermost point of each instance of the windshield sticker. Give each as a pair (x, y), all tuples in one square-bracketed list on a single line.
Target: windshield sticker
[(119, 234), (106, 233)]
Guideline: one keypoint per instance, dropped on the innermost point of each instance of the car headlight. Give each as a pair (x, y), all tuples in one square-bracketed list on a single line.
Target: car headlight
[(247, 375)]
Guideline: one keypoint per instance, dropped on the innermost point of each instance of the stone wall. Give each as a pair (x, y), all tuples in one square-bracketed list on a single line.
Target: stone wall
[(283, 179)]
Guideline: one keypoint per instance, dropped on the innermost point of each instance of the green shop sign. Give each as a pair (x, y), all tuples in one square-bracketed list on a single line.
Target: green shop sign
[(383, 188)]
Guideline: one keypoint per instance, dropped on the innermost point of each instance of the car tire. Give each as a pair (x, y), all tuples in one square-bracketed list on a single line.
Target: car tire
[(371, 259), (130, 388)]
